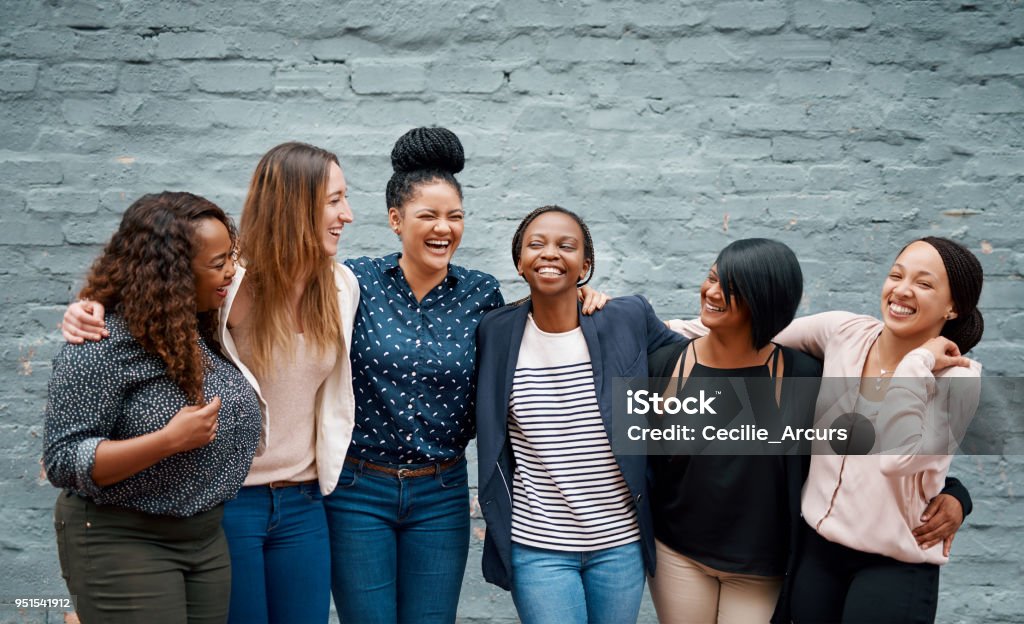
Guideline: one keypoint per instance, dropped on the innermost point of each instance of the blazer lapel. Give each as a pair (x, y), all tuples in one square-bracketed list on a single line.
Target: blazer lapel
[(514, 343), (590, 334)]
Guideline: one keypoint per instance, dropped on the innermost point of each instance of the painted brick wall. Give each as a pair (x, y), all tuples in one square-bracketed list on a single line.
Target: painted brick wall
[(842, 128)]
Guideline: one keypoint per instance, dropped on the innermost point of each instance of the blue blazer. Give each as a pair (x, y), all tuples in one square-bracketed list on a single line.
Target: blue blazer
[(619, 338)]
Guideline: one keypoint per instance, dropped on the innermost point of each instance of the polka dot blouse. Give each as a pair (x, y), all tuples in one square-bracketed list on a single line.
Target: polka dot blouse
[(115, 390), (413, 362)]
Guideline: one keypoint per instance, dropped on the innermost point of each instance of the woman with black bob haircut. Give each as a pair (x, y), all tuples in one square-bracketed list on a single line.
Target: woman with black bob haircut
[(150, 431), (569, 529), (723, 520)]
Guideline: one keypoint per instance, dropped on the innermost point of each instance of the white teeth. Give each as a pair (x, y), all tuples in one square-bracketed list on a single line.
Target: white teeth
[(712, 308), (549, 271), (901, 310), (439, 243), (334, 231)]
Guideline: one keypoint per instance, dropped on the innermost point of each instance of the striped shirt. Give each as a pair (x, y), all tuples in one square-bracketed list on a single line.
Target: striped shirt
[(568, 492)]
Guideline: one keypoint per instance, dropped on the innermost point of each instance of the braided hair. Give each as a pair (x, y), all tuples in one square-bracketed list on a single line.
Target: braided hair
[(423, 155), (963, 270), (588, 242)]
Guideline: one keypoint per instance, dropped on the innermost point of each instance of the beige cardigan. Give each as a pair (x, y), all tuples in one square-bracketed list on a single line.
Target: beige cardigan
[(871, 503), (335, 411)]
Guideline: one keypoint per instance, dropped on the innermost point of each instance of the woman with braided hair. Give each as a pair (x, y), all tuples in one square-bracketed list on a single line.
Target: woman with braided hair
[(569, 528), (863, 556), (399, 518)]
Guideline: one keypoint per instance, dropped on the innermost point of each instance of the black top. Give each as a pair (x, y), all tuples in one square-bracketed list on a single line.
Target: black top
[(731, 512), (115, 390)]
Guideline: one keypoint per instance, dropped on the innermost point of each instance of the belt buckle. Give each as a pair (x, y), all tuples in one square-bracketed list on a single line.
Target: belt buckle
[(403, 472)]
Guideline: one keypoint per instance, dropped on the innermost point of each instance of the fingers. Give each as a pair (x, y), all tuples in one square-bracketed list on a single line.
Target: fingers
[(213, 408), (929, 511), (97, 312), (69, 335), (935, 534), (947, 545), (83, 320)]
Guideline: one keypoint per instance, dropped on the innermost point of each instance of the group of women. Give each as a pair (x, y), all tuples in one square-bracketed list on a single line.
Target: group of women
[(237, 443)]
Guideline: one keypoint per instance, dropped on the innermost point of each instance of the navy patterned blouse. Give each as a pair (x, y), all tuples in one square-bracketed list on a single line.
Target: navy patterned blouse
[(116, 390), (412, 362)]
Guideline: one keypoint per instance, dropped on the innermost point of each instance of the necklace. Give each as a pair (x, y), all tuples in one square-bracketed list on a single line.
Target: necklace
[(882, 373)]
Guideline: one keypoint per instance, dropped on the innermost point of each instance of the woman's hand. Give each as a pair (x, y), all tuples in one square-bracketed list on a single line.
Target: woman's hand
[(193, 426), (942, 519), (593, 300), (83, 320), (946, 353)]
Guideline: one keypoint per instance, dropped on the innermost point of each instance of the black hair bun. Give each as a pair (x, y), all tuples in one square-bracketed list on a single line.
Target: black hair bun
[(428, 149)]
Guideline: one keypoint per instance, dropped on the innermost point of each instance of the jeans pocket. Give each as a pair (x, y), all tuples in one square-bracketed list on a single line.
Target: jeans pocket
[(60, 528), (454, 477), (349, 477), (312, 492)]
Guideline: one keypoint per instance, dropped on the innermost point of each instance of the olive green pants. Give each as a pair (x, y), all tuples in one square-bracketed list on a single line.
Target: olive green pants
[(124, 566)]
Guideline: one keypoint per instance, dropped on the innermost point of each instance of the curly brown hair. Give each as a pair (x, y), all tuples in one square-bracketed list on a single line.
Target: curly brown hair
[(145, 275)]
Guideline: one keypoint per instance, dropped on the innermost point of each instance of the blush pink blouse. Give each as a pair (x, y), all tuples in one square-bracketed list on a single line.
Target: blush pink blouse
[(871, 503)]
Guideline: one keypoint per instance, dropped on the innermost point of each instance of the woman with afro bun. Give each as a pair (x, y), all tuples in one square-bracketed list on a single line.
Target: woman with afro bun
[(399, 517)]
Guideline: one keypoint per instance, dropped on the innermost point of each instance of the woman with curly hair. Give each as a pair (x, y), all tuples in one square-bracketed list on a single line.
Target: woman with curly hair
[(286, 325), (152, 429)]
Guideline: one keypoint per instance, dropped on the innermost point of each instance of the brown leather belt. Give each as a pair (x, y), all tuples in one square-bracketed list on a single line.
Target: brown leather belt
[(276, 485), (408, 473)]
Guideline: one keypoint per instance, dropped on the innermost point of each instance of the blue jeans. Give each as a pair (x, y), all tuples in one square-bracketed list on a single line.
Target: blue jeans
[(595, 587), (398, 546), (280, 555)]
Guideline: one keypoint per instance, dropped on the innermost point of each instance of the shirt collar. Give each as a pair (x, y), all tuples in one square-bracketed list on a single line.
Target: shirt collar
[(389, 264)]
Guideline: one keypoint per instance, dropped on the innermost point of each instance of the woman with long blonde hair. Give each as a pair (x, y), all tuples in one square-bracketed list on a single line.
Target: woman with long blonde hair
[(286, 325)]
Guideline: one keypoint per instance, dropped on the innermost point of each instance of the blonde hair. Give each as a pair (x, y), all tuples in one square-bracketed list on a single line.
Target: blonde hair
[(280, 244)]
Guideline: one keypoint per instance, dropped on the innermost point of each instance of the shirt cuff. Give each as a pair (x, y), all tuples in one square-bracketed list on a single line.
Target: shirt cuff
[(85, 460)]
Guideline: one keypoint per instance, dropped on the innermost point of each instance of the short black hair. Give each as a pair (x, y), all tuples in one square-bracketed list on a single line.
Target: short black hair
[(765, 276), (423, 155), (588, 242)]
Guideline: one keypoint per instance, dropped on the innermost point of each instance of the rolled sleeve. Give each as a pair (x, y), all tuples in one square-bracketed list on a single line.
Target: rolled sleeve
[(85, 394)]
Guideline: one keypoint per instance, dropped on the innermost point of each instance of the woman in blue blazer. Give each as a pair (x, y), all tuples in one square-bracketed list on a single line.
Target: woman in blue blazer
[(569, 529)]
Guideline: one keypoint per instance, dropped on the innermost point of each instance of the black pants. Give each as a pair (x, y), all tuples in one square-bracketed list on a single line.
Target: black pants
[(125, 566), (833, 583)]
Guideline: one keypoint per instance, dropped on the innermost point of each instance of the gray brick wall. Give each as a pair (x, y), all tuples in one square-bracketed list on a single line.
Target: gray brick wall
[(842, 128)]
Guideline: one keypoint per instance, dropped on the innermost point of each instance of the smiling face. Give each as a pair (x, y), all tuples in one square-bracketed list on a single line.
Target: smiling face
[(212, 264), (916, 300), (430, 226), (715, 313), (552, 258), (336, 211)]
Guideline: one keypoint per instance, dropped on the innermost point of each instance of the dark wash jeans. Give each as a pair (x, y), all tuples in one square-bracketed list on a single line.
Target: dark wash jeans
[(125, 566), (280, 555), (398, 546)]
